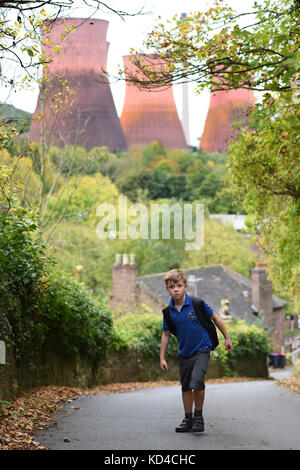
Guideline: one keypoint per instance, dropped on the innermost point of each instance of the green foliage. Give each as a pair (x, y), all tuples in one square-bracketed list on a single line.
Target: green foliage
[(158, 255), (79, 198), (22, 267), (155, 173), (219, 48), (166, 165), (74, 160), (222, 245), (74, 323), (151, 151), (143, 333), (249, 341), (76, 244), (42, 309), (267, 181)]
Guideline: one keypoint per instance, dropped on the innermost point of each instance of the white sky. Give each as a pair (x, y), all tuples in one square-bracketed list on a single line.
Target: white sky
[(122, 35)]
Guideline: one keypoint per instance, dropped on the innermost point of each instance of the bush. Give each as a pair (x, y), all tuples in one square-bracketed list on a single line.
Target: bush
[(22, 265), (73, 322), (39, 311), (143, 333), (249, 341)]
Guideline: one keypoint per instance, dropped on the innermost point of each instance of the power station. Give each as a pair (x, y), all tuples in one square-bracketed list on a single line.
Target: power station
[(76, 106)]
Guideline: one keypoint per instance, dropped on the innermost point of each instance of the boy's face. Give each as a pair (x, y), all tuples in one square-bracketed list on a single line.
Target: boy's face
[(176, 289)]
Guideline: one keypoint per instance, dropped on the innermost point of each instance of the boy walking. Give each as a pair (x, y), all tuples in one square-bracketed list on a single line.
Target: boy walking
[(194, 347)]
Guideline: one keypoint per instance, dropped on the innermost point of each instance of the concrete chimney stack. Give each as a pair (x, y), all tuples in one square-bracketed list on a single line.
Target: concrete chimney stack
[(92, 118), (224, 108), (149, 115)]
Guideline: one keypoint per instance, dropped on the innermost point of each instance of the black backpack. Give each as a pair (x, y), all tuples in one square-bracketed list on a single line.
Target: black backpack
[(205, 321)]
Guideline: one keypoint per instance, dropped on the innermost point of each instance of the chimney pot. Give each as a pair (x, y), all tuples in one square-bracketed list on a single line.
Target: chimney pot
[(118, 258), (260, 265)]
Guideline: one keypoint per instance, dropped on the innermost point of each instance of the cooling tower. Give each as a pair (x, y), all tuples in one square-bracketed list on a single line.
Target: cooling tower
[(149, 115), (224, 108), (91, 120)]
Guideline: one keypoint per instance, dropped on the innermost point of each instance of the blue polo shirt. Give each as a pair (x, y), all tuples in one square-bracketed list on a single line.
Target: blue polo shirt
[(191, 335)]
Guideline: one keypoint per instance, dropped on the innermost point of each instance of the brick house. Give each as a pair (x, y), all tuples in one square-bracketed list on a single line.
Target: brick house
[(226, 291)]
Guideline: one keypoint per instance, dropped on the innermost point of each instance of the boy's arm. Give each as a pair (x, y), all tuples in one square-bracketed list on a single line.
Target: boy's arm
[(165, 338), (220, 325)]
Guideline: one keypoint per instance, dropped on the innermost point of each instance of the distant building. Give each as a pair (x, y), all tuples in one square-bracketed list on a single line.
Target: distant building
[(91, 120), (236, 220), (149, 115), (224, 108)]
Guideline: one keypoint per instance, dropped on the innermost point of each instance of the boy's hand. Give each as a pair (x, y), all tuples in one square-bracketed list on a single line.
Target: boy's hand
[(228, 344), (164, 365)]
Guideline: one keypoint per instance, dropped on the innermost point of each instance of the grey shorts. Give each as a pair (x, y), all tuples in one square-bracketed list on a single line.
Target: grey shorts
[(193, 370)]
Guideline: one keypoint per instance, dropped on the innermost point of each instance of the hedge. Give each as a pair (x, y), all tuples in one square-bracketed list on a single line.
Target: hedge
[(143, 333)]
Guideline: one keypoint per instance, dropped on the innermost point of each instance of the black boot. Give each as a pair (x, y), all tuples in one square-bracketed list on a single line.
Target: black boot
[(185, 426), (198, 424)]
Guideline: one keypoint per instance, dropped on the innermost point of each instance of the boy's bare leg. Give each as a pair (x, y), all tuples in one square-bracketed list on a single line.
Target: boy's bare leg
[(198, 396), (187, 398)]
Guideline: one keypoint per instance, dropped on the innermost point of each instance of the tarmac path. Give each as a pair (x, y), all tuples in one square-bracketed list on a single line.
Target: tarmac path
[(254, 415)]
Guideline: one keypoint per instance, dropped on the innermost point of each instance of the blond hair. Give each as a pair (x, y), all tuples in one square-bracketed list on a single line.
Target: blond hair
[(175, 275)]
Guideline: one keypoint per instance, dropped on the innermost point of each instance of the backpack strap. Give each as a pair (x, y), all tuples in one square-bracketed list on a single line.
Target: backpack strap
[(205, 321), (198, 306), (167, 317)]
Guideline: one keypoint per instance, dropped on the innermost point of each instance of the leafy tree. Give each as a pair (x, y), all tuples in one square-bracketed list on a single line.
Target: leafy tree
[(176, 173), (21, 22), (195, 176), (81, 198), (26, 181), (224, 201), (257, 50), (210, 186), (97, 156), (70, 159), (22, 267), (215, 49), (48, 184), (151, 151), (222, 245), (184, 158), (267, 184), (167, 165)]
